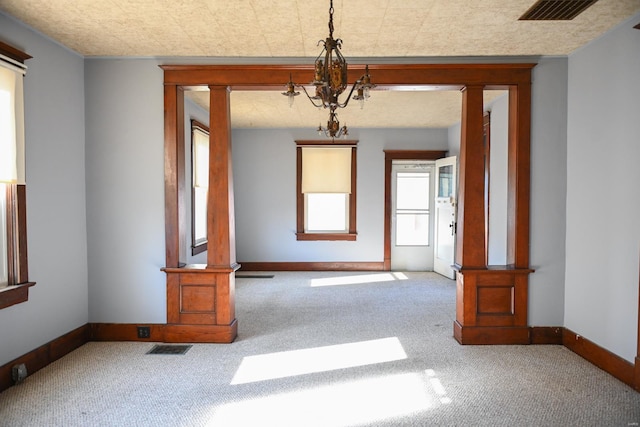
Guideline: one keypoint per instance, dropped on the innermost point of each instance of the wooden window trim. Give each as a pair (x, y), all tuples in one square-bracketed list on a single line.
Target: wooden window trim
[(16, 221), (352, 234), (16, 248), (202, 247)]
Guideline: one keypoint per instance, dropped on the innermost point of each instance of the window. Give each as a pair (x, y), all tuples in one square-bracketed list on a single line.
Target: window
[(326, 190), (14, 282), (199, 186)]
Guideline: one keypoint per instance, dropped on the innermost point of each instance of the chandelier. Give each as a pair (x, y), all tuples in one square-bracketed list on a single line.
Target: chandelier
[(330, 81)]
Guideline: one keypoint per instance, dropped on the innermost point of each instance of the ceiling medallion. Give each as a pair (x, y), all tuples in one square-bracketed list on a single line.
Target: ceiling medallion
[(330, 81)]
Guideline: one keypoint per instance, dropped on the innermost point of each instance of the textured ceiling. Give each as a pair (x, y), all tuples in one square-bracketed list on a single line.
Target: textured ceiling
[(371, 30)]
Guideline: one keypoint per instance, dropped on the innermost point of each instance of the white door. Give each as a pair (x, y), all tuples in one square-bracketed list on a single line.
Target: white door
[(445, 217), (411, 219)]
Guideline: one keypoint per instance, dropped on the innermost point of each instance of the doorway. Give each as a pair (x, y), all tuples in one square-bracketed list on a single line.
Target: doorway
[(412, 201)]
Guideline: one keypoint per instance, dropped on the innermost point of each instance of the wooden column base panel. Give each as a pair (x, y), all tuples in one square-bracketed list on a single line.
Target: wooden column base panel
[(170, 333), (481, 335)]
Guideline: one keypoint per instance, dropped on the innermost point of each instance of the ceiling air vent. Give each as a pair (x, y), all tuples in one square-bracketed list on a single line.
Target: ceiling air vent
[(556, 10)]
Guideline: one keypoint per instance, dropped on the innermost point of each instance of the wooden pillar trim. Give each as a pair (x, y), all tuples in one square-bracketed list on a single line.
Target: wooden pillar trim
[(174, 179), (470, 238), (519, 175), (220, 206)]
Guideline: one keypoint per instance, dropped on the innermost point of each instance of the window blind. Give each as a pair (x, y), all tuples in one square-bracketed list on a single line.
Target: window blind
[(12, 156), (326, 170)]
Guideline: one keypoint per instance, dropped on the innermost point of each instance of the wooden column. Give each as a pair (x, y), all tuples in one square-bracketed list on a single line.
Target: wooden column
[(174, 179), (491, 301), (221, 248), (201, 299), (470, 240), (519, 175)]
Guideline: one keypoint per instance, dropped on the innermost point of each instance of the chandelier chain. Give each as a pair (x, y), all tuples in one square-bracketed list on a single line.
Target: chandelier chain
[(331, 20)]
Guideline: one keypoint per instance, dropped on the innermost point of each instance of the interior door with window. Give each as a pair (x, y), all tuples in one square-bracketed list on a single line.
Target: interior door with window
[(445, 216), (411, 219)]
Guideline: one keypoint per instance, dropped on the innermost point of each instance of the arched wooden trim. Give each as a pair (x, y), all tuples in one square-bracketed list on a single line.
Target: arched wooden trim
[(473, 77)]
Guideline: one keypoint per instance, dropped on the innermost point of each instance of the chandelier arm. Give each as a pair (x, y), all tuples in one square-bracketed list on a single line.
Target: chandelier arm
[(355, 85), (310, 99)]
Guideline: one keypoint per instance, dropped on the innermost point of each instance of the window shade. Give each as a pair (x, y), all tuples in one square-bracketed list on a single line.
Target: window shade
[(326, 170), (12, 163)]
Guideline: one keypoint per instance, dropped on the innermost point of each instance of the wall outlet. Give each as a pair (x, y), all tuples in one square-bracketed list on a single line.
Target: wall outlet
[(144, 332), (18, 373)]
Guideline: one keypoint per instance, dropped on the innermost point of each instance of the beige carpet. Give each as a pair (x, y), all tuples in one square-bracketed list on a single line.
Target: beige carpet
[(327, 349)]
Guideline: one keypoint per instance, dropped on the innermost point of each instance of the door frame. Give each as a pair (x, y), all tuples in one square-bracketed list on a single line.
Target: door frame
[(389, 157)]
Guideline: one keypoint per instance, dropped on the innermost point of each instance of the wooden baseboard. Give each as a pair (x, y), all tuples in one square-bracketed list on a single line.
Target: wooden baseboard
[(545, 335), (482, 335), (602, 358), (125, 332), (312, 266), (637, 374), (42, 356), (46, 354), (165, 333)]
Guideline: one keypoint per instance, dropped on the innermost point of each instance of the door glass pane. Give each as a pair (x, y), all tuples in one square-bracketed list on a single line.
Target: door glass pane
[(412, 229), (412, 209), (326, 212), (445, 181), (412, 190)]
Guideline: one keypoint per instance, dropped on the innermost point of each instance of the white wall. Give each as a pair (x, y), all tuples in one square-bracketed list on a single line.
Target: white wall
[(548, 191), (498, 183), (125, 190), (56, 222), (603, 200), (264, 162)]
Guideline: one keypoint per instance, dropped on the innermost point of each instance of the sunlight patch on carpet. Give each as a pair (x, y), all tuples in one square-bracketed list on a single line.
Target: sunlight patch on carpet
[(437, 386), (320, 359), (357, 279), (351, 403)]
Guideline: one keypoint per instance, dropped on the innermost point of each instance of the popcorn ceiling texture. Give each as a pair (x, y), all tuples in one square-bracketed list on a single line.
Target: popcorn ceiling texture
[(285, 28), (371, 29)]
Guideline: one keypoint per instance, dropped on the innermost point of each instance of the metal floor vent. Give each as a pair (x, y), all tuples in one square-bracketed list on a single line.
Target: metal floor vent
[(169, 349), (254, 276), (556, 10)]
